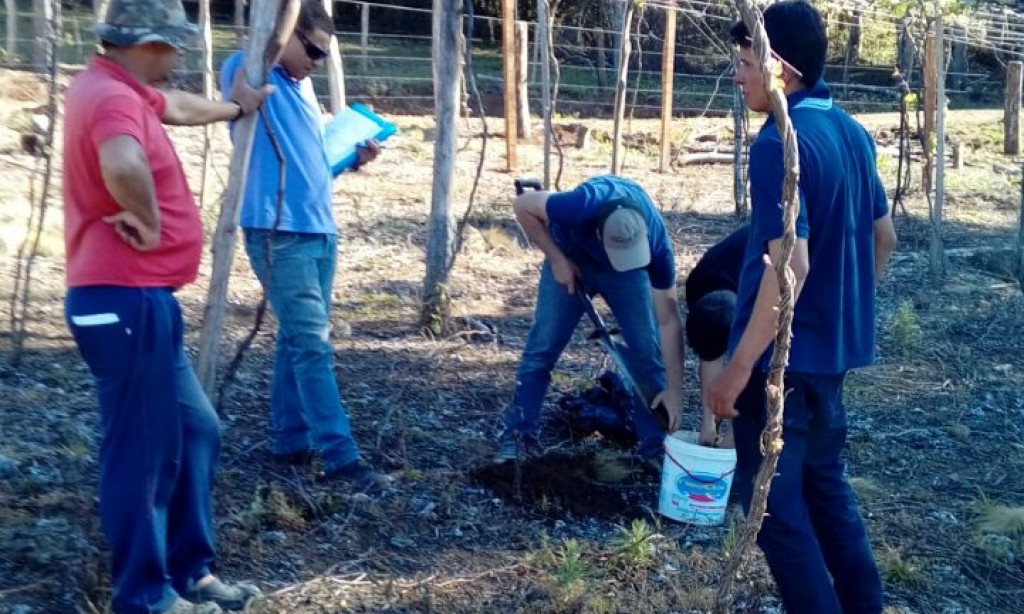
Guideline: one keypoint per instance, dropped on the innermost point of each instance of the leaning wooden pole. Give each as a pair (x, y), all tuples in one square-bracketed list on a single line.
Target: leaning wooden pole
[(544, 42), (262, 45), (668, 68), (771, 437), (620, 88), (11, 6)]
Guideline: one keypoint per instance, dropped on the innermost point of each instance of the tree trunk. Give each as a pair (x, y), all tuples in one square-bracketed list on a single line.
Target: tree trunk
[(620, 88), (544, 38), (240, 21), (264, 15), (904, 48), (936, 250), (522, 51), (853, 43), (447, 58), (42, 20), (959, 65), (335, 70), (616, 11)]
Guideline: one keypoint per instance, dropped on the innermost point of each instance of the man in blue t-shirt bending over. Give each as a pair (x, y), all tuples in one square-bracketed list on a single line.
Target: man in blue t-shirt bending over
[(813, 537), (607, 237)]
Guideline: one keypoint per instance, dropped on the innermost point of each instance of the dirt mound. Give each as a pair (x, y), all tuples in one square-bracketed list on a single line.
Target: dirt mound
[(582, 483)]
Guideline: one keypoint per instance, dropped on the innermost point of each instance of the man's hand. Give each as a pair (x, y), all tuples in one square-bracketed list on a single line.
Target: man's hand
[(248, 98), (673, 402), (725, 389), (367, 153), (133, 231), (565, 272)]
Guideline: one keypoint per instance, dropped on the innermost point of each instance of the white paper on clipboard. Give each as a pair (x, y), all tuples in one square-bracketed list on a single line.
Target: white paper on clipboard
[(350, 128)]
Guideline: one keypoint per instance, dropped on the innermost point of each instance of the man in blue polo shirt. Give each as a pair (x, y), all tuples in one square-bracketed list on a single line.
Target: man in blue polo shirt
[(813, 537), (607, 237), (293, 251)]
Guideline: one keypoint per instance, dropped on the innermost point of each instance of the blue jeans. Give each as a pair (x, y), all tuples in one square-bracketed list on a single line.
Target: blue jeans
[(813, 536), (555, 318), (305, 406), (161, 439)]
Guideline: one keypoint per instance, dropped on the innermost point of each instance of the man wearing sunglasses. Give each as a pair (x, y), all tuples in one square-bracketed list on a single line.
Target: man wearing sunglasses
[(293, 252), (813, 537)]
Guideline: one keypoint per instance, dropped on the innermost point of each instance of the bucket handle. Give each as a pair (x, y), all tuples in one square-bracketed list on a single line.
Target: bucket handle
[(696, 478)]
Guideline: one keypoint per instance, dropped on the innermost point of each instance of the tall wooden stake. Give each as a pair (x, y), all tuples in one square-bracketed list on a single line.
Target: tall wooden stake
[(668, 64), (364, 36), (264, 17), (206, 26), (544, 39), (441, 232), (771, 437), (1020, 235), (335, 70), (1011, 108), (43, 20), (510, 82), (937, 254), (522, 84), (620, 88)]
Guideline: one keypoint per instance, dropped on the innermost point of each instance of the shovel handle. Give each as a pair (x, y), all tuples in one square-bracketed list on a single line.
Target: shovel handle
[(522, 184)]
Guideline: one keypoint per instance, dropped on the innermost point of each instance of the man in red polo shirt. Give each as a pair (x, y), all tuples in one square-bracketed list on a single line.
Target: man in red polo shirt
[(133, 236)]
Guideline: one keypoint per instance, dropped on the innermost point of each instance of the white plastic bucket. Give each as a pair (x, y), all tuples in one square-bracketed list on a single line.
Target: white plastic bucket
[(695, 480)]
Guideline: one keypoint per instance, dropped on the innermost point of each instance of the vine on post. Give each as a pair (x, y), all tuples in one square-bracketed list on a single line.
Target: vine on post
[(771, 437)]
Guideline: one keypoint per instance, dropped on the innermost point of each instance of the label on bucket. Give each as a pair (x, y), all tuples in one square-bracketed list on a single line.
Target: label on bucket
[(695, 488)]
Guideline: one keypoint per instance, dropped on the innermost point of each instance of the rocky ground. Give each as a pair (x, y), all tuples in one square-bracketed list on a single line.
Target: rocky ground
[(936, 444)]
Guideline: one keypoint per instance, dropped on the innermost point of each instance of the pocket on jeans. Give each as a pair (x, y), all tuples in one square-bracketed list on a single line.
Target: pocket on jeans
[(105, 342)]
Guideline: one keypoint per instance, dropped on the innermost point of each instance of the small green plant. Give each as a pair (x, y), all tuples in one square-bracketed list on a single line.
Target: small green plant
[(635, 546), (899, 572), (905, 330), (572, 569), (1002, 520)]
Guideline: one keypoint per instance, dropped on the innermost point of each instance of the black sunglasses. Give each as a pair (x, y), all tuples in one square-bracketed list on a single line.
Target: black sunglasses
[(315, 52)]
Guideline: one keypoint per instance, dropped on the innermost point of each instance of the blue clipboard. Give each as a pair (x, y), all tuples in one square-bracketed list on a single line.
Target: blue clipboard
[(350, 128)]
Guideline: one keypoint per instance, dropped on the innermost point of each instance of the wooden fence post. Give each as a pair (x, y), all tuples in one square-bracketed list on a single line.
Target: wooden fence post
[(620, 88), (335, 70), (206, 25), (522, 44), (11, 6), (364, 35), (668, 63), (510, 82), (1011, 108), (264, 18)]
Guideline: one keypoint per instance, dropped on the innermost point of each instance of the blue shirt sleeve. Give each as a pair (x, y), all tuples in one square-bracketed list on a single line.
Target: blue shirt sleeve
[(662, 270), (766, 177)]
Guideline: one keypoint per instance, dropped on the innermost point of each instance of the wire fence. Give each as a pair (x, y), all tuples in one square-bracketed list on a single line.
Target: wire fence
[(393, 71)]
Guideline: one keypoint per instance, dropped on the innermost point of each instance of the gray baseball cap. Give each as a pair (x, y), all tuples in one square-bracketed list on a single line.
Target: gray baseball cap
[(137, 22)]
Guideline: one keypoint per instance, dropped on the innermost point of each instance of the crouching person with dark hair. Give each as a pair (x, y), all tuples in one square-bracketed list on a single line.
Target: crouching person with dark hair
[(813, 537), (710, 308)]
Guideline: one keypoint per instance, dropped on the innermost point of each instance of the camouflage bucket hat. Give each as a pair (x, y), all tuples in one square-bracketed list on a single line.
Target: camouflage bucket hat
[(137, 22)]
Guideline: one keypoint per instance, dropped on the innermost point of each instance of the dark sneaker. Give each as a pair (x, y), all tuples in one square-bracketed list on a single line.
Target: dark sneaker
[(227, 596), (180, 606), (302, 458), (508, 447), (360, 475)]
